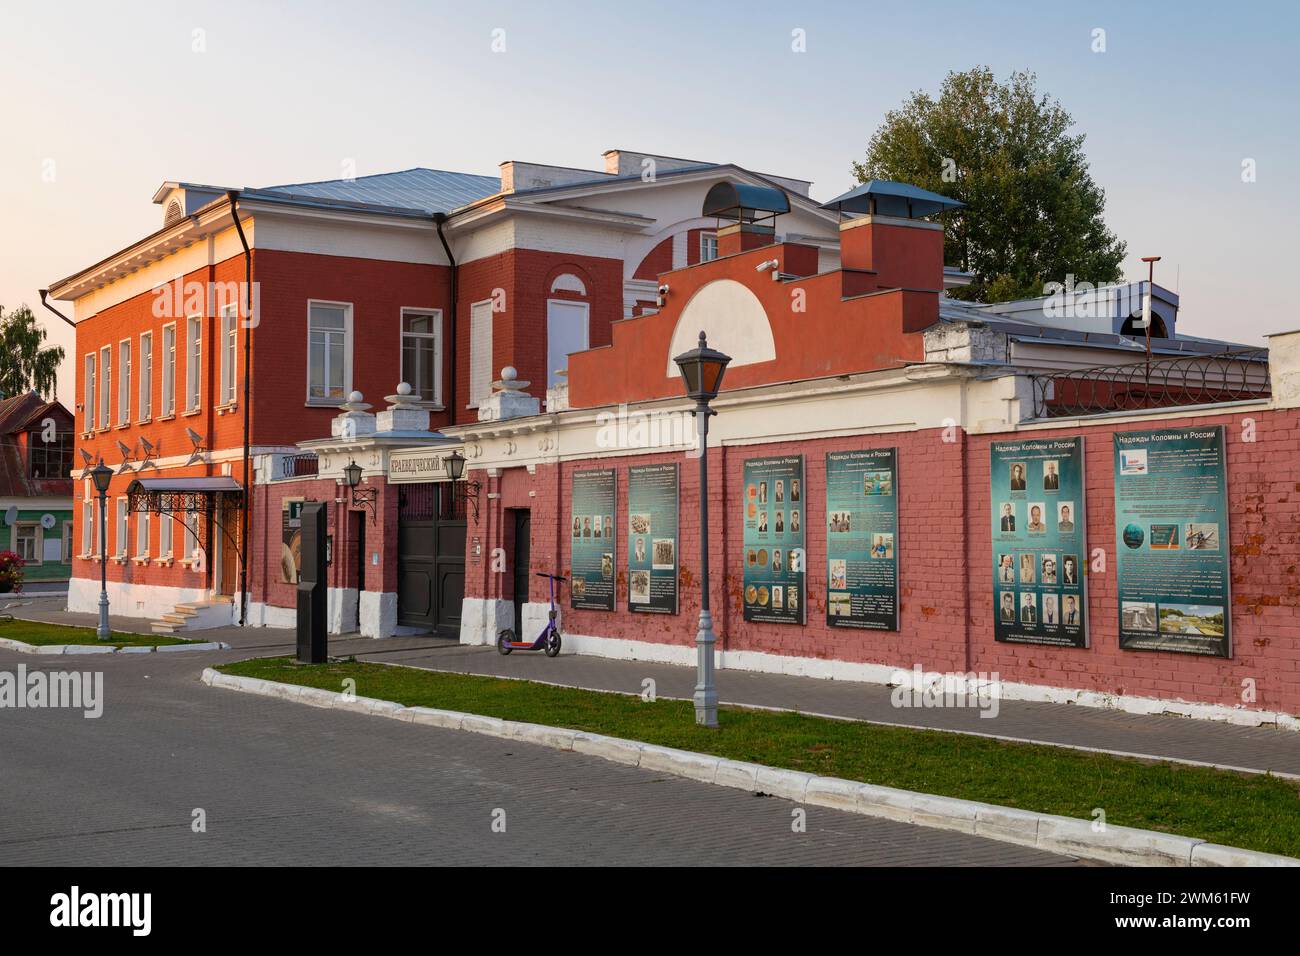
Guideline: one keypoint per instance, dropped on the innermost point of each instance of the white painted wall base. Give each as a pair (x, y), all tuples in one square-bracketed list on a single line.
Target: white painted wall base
[(268, 615), (535, 619), (150, 601), (482, 618), (378, 613), (684, 654), (342, 604)]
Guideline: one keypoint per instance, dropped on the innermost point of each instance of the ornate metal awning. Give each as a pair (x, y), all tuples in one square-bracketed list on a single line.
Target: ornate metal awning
[(177, 495)]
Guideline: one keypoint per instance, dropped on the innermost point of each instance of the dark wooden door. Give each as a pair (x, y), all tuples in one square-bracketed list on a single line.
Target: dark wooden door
[(521, 558), (430, 557)]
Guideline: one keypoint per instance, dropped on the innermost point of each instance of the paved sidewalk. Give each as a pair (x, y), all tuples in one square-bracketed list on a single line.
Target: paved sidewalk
[(1256, 749)]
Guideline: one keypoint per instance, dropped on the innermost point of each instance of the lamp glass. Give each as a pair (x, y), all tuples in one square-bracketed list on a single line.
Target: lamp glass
[(455, 465), (352, 474), (101, 474)]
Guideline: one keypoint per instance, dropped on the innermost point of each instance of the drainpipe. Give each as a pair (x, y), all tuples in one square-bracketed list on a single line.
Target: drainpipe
[(438, 219), (233, 195), (44, 293)]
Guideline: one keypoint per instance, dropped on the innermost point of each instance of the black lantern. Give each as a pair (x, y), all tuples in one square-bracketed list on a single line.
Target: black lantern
[(101, 475), (468, 490), (365, 498), (455, 465), (702, 370)]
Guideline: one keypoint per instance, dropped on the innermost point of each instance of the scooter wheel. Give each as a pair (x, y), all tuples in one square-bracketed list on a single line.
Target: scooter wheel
[(503, 641), (553, 644)]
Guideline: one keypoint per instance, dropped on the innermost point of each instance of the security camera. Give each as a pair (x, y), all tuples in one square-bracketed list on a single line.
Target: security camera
[(663, 289), (766, 264)]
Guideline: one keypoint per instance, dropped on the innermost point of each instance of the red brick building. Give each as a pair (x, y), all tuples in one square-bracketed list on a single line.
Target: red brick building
[(588, 283)]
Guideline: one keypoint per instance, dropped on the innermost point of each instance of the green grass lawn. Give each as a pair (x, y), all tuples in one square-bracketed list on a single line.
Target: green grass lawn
[(1256, 812), (38, 632)]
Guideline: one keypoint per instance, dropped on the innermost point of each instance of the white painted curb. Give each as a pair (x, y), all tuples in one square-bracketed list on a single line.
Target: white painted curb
[(1127, 846), (24, 648)]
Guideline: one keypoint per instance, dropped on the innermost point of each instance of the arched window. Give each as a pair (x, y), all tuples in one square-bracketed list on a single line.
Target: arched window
[(1131, 327)]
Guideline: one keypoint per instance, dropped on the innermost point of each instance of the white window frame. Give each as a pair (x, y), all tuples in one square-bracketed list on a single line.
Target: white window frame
[(120, 537), (347, 353), (708, 237), (106, 387), (142, 534), (191, 534), (586, 333), (88, 399), (88, 527), (481, 318), (169, 371), (36, 539), (229, 354), (146, 376), (193, 363), (436, 336), (165, 532), (124, 382), (67, 542)]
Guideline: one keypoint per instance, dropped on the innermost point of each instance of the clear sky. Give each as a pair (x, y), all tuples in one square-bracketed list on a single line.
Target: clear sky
[(100, 103)]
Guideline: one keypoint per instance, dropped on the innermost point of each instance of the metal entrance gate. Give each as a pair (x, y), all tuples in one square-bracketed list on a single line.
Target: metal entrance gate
[(430, 557)]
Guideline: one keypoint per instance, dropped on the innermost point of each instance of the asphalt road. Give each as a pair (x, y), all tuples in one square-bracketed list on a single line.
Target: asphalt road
[(281, 783)]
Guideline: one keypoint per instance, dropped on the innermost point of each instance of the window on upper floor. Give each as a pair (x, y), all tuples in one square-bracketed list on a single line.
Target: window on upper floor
[(49, 459), (329, 352), (480, 352), (229, 353), (146, 376), (422, 353), (193, 362), (105, 385), (88, 401), (124, 383), (169, 370), (708, 246), (566, 331)]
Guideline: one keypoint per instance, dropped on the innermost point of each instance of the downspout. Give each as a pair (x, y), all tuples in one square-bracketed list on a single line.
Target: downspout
[(438, 219), (233, 195), (44, 293)]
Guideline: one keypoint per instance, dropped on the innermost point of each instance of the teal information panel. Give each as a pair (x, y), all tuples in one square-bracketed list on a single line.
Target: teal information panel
[(1171, 541), (862, 539), (591, 586), (774, 539), (652, 539), (1039, 542)]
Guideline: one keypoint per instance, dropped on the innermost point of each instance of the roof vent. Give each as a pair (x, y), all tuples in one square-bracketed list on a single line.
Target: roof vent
[(173, 213)]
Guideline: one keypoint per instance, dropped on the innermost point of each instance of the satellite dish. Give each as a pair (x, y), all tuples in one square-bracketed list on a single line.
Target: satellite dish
[(11, 515), (47, 521)]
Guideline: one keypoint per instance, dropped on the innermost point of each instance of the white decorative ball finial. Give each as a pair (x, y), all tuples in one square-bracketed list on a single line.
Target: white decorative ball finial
[(509, 373), (403, 388)]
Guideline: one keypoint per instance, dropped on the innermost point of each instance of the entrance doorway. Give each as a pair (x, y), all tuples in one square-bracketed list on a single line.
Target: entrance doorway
[(521, 557), (226, 535), (359, 543), (430, 557)]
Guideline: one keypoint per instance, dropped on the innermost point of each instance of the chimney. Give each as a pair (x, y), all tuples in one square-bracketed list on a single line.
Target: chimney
[(743, 236), (903, 253)]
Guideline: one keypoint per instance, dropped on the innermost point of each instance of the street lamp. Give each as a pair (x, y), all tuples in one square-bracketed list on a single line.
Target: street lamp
[(366, 498), (455, 465), (702, 370), (101, 475)]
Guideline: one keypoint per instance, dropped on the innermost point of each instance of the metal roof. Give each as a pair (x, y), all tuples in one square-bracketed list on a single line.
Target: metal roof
[(425, 190), (744, 202), (889, 198), (213, 483)]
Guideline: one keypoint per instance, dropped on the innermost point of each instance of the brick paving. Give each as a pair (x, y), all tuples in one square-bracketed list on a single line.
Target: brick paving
[(281, 783)]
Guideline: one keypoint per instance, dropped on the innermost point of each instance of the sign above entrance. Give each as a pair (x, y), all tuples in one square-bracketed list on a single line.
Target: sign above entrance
[(418, 464)]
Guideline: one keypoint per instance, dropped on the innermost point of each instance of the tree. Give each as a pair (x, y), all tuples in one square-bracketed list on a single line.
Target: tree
[(26, 364), (1032, 214)]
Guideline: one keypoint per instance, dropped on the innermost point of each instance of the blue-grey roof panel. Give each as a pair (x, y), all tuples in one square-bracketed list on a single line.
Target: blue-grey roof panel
[(426, 190), (892, 199)]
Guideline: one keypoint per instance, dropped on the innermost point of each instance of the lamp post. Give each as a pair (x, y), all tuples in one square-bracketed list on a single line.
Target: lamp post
[(365, 498), (101, 475), (702, 370)]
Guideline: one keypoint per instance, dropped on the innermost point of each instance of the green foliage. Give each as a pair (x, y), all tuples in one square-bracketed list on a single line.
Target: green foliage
[(1033, 213), (26, 363)]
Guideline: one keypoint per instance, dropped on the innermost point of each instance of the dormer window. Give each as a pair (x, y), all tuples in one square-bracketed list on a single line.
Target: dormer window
[(173, 213)]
